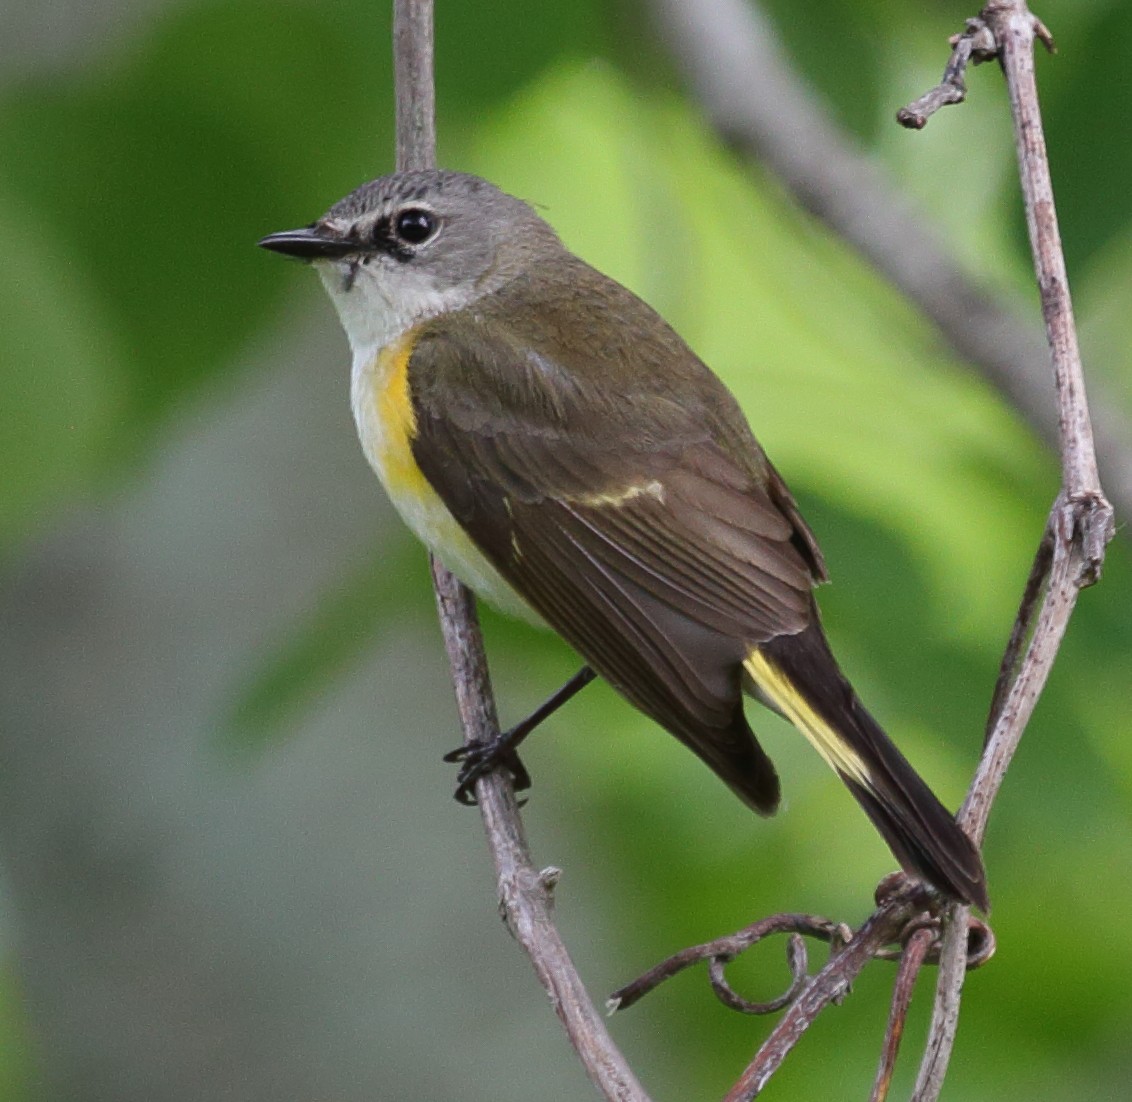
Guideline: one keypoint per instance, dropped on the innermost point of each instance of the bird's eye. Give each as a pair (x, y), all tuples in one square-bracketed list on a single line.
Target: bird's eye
[(414, 226)]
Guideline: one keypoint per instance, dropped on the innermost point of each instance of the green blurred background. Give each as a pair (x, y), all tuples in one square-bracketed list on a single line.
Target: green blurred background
[(231, 866)]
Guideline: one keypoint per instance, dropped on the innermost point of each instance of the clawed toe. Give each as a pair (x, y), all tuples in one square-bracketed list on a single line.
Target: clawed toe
[(478, 758)]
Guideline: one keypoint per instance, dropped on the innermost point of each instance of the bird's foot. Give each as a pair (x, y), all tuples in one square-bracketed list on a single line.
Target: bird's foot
[(478, 758)]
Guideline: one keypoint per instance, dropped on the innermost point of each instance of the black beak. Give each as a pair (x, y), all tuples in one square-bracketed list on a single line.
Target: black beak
[(309, 243)]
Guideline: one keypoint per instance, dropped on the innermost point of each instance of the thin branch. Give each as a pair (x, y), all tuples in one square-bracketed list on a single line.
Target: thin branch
[(739, 72), (525, 893), (1081, 520), (915, 954), (974, 45), (1022, 631), (831, 984), (414, 84), (945, 1009)]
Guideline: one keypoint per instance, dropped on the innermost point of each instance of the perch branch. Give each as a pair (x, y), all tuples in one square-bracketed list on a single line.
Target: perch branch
[(525, 893)]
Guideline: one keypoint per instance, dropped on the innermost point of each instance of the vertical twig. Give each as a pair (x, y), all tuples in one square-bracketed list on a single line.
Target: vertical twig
[(1014, 28), (414, 84), (1080, 523), (525, 893), (911, 961), (945, 1010)]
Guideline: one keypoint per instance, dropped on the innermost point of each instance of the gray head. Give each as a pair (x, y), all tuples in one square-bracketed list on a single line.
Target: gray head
[(414, 244)]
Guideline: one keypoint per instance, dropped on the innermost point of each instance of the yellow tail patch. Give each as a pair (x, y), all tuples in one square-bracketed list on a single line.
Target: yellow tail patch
[(779, 691)]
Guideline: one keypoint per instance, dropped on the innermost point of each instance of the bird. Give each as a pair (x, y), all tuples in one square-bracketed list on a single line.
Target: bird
[(570, 459)]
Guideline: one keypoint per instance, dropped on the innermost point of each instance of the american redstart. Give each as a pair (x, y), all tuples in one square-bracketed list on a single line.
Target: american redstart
[(571, 460)]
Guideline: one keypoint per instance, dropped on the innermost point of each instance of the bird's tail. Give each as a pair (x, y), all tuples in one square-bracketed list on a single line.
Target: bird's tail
[(798, 677)]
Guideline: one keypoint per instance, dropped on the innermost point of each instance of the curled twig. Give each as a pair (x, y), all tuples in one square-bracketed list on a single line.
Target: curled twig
[(725, 949), (831, 984), (916, 907), (796, 958), (976, 44)]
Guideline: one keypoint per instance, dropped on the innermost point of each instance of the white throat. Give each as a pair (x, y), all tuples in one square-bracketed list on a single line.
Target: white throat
[(377, 305)]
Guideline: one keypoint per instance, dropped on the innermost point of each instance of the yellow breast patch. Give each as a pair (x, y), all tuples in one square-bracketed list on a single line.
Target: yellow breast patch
[(387, 426), (395, 412)]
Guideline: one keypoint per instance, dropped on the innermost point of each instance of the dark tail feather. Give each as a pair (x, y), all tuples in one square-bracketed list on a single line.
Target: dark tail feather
[(798, 676)]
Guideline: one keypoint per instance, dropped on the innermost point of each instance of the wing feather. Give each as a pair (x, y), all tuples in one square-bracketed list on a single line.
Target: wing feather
[(642, 526)]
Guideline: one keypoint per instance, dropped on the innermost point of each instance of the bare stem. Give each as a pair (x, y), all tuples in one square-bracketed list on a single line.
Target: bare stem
[(525, 893), (414, 85), (911, 961), (1080, 523), (945, 1010)]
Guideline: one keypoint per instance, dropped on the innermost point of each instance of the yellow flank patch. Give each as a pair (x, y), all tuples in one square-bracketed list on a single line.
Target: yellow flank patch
[(777, 688), (399, 422), (383, 412)]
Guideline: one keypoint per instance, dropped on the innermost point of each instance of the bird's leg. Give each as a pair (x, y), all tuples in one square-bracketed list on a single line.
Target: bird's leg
[(478, 758)]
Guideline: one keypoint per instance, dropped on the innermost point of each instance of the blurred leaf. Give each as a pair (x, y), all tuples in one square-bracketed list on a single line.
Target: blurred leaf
[(157, 174), (512, 45), (1091, 164), (63, 390), (846, 75), (312, 99), (15, 1048), (1102, 298)]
